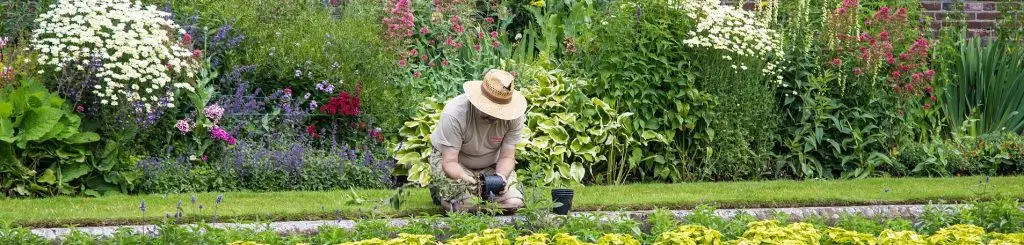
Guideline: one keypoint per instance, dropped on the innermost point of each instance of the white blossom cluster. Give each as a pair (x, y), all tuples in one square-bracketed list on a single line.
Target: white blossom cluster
[(136, 45), (735, 31)]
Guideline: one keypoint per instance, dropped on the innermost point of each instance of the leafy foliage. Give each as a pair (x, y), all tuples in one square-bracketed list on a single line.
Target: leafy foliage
[(985, 95), (43, 151)]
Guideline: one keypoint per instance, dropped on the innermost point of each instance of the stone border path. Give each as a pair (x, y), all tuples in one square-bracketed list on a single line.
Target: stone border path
[(291, 227)]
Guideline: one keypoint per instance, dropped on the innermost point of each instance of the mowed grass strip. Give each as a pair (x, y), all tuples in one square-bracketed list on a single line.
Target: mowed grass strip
[(312, 205)]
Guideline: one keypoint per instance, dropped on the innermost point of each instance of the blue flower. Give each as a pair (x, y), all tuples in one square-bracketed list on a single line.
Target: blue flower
[(142, 206), (220, 198)]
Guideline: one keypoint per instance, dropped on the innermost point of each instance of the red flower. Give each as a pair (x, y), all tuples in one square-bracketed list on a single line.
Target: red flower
[(431, 64), (444, 63), (449, 42), (311, 130), (416, 74), (413, 52), (480, 35), (857, 71), (79, 108), (928, 106), (424, 30), (495, 44), (288, 91), (432, 42), (895, 75), (929, 90), (489, 20), (884, 36), (933, 98), (187, 39), (197, 53), (904, 56), (929, 73), (836, 62), (476, 47), (423, 58), (401, 63), (494, 34)]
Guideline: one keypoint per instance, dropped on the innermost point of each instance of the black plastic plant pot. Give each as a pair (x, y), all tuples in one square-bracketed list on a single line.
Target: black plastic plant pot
[(563, 196)]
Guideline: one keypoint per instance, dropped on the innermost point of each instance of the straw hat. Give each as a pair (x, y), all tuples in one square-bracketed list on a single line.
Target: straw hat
[(496, 95)]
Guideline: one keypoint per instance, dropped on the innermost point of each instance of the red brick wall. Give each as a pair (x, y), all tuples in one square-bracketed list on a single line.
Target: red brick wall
[(981, 16)]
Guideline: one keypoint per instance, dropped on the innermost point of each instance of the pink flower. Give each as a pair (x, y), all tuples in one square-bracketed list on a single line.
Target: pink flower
[(883, 13), (890, 60), (864, 37), (214, 112), (836, 62), (489, 20), (431, 64), (857, 71), (444, 63), (884, 36), (449, 42), (929, 90), (933, 98), (401, 63), (219, 133), (416, 74), (423, 58), (916, 77), (196, 54), (432, 42), (458, 28), (928, 106), (204, 156), (480, 35), (904, 56), (495, 44), (494, 34), (187, 39), (424, 30), (895, 75), (458, 45), (929, 73), (79, 109), (184, 125), (413, 52), (288, 91), (476, 47)]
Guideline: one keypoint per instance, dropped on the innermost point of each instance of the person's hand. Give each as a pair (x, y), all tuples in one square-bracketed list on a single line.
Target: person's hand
[(503, 179)]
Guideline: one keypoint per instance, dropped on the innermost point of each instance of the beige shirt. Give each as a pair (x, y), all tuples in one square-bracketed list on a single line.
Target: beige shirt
[(464, 128)]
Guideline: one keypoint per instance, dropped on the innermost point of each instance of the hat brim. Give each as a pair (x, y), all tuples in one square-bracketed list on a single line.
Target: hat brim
[(514, 109)]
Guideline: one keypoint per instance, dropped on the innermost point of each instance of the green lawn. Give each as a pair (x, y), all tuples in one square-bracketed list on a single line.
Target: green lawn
[(249, 206)]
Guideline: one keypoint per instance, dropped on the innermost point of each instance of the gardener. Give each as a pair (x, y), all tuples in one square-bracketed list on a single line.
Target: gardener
[(477, 136)]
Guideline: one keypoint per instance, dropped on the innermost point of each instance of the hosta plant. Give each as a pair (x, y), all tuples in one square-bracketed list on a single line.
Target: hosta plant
[(142, 53)]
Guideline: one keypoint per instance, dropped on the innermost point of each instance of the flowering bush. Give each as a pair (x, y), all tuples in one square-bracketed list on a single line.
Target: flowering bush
[(441, 43), (735, 31), (882, 50), (137, 45)]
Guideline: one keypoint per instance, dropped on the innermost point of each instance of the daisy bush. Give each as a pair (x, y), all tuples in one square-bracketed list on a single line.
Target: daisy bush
[(143, 53), (736, 32)]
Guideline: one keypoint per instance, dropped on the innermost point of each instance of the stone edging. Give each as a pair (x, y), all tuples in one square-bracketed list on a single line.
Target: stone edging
[(309, 227)]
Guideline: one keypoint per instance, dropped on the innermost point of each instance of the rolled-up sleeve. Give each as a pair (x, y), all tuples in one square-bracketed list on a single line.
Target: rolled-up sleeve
[(515, 131), (448, 134)]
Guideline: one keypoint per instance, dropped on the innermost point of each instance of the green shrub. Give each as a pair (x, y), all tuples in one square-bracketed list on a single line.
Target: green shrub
[(297, 44), (44, 151)]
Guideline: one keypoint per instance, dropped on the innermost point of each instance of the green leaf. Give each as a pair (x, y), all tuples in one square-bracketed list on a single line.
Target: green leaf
[(6, 109), (73, 171), (558, 135), (38, 123), (48, 177), (91, 193), (577, 171), (83, 137)]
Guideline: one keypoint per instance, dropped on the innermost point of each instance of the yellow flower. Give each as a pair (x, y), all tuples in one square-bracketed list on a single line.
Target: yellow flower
[(538, 3)]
